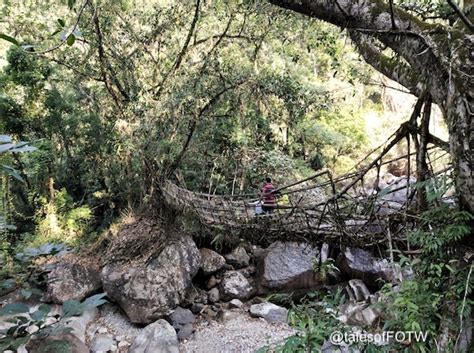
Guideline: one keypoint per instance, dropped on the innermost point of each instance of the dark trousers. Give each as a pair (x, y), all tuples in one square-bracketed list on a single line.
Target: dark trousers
[(268, 209)]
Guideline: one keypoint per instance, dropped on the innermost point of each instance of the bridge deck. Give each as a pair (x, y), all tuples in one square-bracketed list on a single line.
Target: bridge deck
[(314, 212)]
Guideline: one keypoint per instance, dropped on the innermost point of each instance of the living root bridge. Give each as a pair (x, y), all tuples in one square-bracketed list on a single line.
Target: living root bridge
[(315, 211)]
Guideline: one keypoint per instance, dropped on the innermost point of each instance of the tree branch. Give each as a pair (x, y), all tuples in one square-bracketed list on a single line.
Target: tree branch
[(101, 60), (394, 70), (181, 54), (461, 15), (394, 26), (411, 40), (226, 36), (66, 37), (73, 68), (193, 124)]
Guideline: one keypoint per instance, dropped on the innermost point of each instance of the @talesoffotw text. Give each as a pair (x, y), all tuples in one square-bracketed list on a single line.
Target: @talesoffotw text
[(338, 337)]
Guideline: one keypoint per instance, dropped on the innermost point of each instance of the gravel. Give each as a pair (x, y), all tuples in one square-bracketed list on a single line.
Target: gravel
[(113, 321), (240, 334)]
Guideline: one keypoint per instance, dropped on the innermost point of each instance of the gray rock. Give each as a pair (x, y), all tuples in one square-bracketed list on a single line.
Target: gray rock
[(397, 190), (194, 295), (328, 347), (65, 342), (387, 178), (359, 314), (211, 261), (212, 282), (357, 291), (150, 291), (238, 257), (101, 343), (248, 271), (214, 295), (235, 285), (181, 317), (185, 332), (72, 278), (196, 308), (158, 337), (465, 341), (361, 264), (269, 311), (289, 265), (79, 324), (235, 303), (226, 315)]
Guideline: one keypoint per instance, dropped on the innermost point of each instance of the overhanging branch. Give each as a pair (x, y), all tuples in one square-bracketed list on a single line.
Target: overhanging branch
[(395, 70), (421, 44), (461, 15)]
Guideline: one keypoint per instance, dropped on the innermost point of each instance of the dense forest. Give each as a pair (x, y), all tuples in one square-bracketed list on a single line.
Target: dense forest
[(106, 103)]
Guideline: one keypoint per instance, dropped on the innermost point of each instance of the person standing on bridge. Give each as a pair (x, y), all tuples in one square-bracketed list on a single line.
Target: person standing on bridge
[(268, 196)]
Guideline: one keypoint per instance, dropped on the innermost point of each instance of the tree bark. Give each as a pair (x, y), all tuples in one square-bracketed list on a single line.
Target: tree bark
[(422, 170), (431, 57)]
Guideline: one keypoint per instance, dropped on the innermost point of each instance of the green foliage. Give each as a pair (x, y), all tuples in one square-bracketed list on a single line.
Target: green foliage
[(18, 271), (21, 274), (8, 146), (440, 293), (21, 319), (60, 219), (314, 319), (25, 69), (325, 268), (249, 99)]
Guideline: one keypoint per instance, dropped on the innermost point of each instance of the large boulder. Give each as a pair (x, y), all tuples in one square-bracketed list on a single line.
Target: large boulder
[(151, 289), (158, 337), (290, 265), (211, 261), (361, 264), (235, 285), (72, 277)]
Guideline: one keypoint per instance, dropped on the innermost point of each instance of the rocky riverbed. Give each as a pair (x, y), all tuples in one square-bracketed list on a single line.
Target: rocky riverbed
[(167, 295)]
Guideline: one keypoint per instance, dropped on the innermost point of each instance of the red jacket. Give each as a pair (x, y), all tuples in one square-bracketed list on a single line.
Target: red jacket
[(268, 197)]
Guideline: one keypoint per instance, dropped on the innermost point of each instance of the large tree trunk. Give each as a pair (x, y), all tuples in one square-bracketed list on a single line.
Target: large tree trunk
[(430, 58)]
